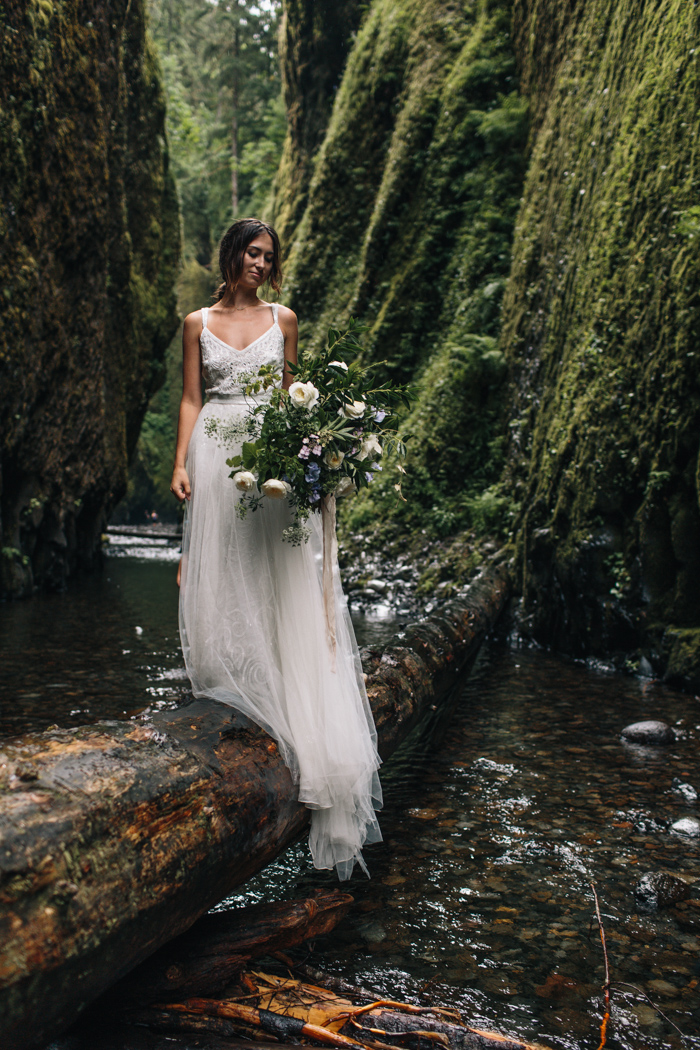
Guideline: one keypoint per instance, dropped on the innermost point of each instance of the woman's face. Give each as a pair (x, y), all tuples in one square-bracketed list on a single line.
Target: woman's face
[(257, 261)]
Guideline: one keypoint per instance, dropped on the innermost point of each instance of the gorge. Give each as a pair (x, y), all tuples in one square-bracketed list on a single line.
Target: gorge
[(504, 192)]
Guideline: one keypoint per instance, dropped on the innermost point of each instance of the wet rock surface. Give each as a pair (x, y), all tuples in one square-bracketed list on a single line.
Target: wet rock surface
[(650, 732), (658, 889), (689, 826)]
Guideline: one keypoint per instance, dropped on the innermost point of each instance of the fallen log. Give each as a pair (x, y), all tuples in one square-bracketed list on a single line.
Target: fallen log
[(219, 946), (116, 837)]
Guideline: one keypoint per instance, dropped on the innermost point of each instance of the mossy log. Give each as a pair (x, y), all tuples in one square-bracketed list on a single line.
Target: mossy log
[(117, 837)]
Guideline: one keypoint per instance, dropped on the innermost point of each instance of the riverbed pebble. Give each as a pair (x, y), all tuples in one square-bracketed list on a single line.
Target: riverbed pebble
[(651, 731), (689, 826), (686, 791), (658, 889)]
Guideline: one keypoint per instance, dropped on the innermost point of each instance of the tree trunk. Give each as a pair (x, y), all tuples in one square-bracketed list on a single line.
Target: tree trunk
[(116, 837), (234, 126)]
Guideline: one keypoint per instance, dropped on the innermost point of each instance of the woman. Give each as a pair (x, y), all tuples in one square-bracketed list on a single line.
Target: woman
[(251, 605)]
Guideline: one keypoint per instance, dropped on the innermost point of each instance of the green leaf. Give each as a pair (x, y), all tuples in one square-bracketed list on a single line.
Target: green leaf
[(249, 452)]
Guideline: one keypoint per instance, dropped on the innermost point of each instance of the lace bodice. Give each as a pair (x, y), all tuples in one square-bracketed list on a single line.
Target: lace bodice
[(225, 369)]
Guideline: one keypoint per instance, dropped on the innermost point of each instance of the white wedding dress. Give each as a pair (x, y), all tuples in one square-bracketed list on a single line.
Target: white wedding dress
[(253, 628)]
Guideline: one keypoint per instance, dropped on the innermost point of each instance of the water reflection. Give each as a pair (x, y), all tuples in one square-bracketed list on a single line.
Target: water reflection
[(496, 824), (109, 646), (497, 819), (105, 648)]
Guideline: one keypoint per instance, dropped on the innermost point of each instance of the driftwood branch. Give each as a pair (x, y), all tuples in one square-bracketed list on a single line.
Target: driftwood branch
[(116, 837), (289, 1009)]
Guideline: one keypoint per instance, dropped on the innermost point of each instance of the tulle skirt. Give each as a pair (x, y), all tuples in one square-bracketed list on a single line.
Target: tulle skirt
[(253, 633)]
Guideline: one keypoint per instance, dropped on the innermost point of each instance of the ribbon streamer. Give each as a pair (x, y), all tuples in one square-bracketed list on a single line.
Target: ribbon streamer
[(330, 557)]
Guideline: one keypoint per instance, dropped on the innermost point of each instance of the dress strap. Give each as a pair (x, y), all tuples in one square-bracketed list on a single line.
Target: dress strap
[(275, 308), (205, 311)]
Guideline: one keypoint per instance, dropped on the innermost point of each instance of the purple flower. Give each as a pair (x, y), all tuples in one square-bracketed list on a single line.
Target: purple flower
[(317, 450), (369, 475), (315, 495), (379, 415), (313, 472), (304, 452), (376, 466)]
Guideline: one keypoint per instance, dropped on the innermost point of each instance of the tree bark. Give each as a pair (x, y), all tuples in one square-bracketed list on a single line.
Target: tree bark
[(234, 126), (218, 947), (116, 837)]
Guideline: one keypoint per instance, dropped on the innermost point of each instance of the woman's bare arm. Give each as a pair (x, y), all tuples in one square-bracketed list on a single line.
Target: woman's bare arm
[(290, 331), (191, 403)]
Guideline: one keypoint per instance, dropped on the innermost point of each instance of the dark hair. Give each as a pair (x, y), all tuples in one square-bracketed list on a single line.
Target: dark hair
[(232, 249)]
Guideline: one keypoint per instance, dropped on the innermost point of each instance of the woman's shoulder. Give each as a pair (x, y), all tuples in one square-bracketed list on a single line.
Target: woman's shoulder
[(194, 320), (287, 318)]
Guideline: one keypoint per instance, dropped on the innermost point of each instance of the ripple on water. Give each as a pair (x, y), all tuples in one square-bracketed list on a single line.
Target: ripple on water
[(496, 821), (495, 826)]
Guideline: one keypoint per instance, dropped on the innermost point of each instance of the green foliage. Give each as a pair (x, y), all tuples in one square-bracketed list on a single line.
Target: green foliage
[(325, 435), (427, 138), (601, 318), (220, 68), (225, 111)]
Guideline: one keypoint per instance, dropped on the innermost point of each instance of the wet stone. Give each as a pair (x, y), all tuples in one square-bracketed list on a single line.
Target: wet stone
[(686, 791), (657, 890), (372, 932), (651, 732), (689, 826)]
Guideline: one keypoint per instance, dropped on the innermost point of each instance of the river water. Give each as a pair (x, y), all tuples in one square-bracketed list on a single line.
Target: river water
[(498, 818)]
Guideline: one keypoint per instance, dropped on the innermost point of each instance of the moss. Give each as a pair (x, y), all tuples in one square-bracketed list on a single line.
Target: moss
[(684, 656), (314, 41), (90, 243), (408, 226), (601, 323)]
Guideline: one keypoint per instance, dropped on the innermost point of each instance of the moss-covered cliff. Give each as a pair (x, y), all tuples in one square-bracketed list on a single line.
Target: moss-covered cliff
[(408, 226), (601, 325), (89, 236), (314, 40), (539, 277)]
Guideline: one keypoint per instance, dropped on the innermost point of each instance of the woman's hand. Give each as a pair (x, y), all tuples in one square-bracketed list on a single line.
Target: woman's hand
[(180, 485)]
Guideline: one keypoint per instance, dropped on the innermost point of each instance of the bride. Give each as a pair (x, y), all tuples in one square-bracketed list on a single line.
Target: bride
[(252, 619)]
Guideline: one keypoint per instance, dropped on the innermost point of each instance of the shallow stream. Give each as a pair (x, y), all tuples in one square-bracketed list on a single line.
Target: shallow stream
[(496, 821)]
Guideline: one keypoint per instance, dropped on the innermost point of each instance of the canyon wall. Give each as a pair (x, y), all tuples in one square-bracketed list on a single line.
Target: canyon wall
[(506, 194), (89, 247)]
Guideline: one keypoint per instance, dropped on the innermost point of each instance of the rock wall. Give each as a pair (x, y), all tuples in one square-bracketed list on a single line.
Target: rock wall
[(314, 41), (600, 326), (408, 226), (506, 194), (89, 246)]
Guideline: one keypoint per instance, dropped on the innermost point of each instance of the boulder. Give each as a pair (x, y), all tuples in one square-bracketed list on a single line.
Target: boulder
[(651, 732), (658, 889)]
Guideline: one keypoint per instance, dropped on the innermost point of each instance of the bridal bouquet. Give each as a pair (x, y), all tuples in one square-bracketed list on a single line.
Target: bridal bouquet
[(324, 437)]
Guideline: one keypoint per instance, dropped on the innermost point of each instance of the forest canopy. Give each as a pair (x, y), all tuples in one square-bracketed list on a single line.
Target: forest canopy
[(226, 124)]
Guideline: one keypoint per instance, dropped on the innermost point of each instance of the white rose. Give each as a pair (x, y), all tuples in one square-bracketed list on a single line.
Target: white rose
[(274, 488), (353, 410), (344, 487), (333, 459), (338, 364), (370, 447), (244, 480), (304, 395)]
